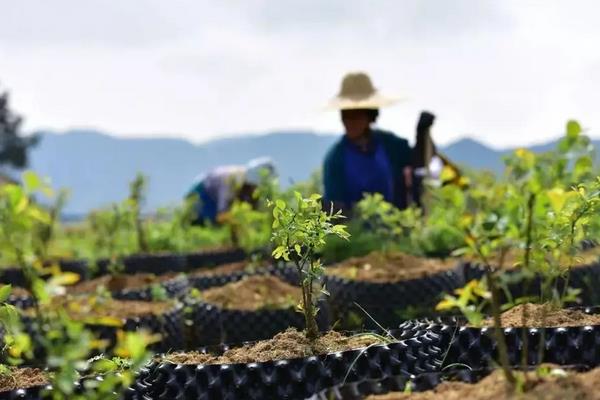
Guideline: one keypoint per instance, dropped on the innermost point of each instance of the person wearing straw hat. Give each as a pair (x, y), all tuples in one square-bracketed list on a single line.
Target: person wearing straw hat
[(365, 159), (216, 190)]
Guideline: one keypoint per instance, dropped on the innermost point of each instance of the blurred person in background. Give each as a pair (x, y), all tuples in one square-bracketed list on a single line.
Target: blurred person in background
[(216, 190), (428, 163), (365, 159)]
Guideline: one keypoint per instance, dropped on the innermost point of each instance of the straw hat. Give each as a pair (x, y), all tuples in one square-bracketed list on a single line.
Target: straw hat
[(357, 92)]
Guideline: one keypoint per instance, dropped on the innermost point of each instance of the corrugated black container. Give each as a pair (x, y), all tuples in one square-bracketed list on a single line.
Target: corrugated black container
[(362, 389), (389, 304), (214, 325), (285, 379), (212, 258), (477, 348)]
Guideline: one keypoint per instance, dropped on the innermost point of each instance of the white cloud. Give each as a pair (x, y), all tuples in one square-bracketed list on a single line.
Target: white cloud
[(505, 72)]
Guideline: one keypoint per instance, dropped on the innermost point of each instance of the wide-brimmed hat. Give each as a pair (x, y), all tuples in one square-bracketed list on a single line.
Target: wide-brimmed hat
[(357, 92)]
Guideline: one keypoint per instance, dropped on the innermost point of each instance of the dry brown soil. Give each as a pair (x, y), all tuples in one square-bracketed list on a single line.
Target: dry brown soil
[(95, 307), (119, 282), (580, 386), (543, 315), (377, 267), (285, 345), (22, 378), (254, 293)]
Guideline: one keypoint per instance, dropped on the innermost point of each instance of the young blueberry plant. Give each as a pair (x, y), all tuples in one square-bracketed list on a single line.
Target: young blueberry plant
[(299, 229)]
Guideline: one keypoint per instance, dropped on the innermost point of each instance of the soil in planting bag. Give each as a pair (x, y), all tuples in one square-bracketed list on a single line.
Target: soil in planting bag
[(389, 304), (360, 390), (214, 325), (136, 286), (213, 257), (477, 348), (295, 378), (221, 275)]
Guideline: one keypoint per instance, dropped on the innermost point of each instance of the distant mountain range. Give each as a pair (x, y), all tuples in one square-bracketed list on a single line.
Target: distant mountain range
[(97, 167)]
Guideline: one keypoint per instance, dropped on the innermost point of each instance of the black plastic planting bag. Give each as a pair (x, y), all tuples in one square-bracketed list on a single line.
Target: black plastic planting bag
[(155, 263), (20, 301), (587, 280), (284, 379), (211, 258), (214, 325), (362, 389), (175, 287), (389, 304), (44, 392), (477, 347), (202, 282), (146, 263)]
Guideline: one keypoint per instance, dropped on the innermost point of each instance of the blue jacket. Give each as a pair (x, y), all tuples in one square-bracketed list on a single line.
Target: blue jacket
[(398, 152)]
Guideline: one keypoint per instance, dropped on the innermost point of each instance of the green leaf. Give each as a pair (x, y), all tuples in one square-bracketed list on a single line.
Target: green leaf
[(103, 365), (31, 181), (557, 198), (298, 250), (280, 204), (573, 129), (5, 292), (582, 167)]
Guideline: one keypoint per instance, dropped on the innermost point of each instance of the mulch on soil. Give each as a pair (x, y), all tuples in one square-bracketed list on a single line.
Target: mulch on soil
[(254, 293), (378, 267), (22, 378), (285, 345), (543, 315), (580, 386), (119, 282)]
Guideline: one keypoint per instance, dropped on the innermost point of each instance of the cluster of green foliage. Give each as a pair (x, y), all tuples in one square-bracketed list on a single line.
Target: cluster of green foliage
[(537, 217), (122, 229), (26, 229), (380, 226)]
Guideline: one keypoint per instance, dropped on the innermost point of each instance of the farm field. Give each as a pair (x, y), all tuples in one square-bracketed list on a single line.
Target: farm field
[(488, 290)]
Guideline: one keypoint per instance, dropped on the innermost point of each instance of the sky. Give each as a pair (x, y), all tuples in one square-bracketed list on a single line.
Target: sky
[(507, 73)]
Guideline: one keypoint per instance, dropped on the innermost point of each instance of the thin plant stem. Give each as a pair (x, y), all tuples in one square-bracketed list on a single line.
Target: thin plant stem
[(501, 342), (526, 265)]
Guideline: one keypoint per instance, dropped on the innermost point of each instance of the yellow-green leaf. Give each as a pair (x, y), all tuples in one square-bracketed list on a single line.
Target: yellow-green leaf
[(573, 129), (4, 292), (557, 198), (64, 278)]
